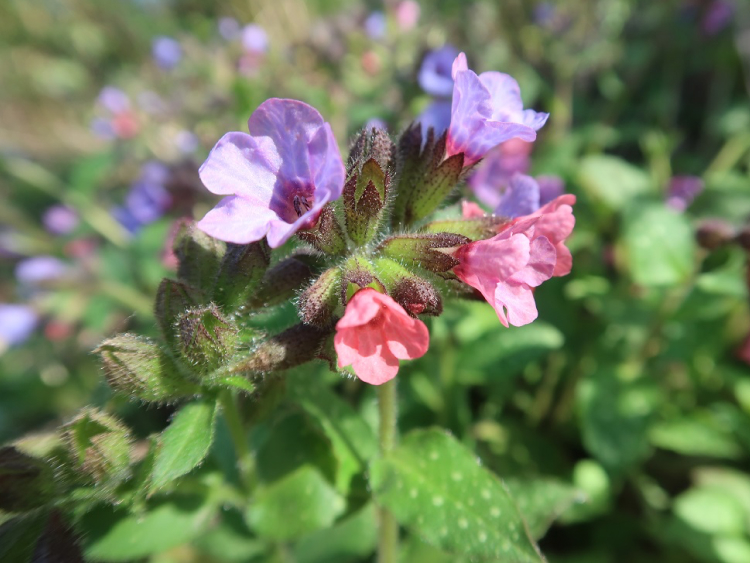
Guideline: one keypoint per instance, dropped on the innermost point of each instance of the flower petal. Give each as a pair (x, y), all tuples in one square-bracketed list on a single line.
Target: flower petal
[(238, 220), (518, 301), (520, 198), (542, 258)]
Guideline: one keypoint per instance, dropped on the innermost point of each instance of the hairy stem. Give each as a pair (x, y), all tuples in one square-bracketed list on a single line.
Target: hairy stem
[(245, 460), (388, 527)]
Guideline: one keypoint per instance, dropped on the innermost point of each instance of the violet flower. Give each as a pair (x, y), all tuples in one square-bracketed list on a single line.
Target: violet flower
[(376, 25), (435, 75), (40, 269), (148, 198), (682, 191), (278, 178), (486, 111), (113, 100), (717, 17), (60, 220), (167, 52), (497, 168), (436, 116), (254, 39), (17, 322)]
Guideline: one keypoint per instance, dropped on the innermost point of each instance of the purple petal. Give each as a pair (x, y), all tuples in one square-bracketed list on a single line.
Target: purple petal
[(376, 25), (114, 100), (40, 269), (254, 39), (60, 219), (550, 187), (17, 322), (238, 220), (438, 116), (505, 96), (167, 52), (521, 197), (682, 191), (435, 73)]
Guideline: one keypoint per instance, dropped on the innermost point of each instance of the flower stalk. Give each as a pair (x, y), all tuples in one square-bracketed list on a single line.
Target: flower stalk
[(388, 434)]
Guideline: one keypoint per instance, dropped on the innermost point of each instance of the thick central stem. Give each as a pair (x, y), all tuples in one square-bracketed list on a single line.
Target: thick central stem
[(388, 527), (245, 461)]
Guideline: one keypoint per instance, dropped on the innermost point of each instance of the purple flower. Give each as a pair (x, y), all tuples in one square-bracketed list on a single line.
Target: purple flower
[(486, 111), (278, 178), (435, 76), (498, 167), (167, 52), (102, 128), (376, 25), (40, 269), (437, 115), (717, 17), (229, 28), (682, 191), (148, 199), (254, 39), (17, 322), (550, 187), (60, 219), (114, 100), (521, 197), (376, 123), (126, 218)]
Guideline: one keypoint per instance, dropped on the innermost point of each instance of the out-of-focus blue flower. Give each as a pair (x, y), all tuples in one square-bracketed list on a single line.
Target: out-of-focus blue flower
[(166, 51), (544, 14), (376, 123), (435, 73), (254, 39), (682, 191), (60, 219), (17, 322), (229, 28), (717, 17), (437, 115), (114, 100), (40, 269), (376, 25), (102, 128), (126, 219), (147, 200)]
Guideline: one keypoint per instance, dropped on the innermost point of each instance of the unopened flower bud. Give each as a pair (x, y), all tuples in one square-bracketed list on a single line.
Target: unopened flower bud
[(417, 296), (206, 338), (365, 194), (475, 228), (424, 250), (713, 233), (358, 275), (291, 348), (319, 301), (281, 282), (172, 299), (99, 446), (372, 143), (327, 234), (26, 482), (138, 367), (242, 268), (200, 256)]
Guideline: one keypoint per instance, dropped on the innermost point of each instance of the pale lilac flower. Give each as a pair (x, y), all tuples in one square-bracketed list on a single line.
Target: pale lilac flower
[(407, 14), (254, 39), (166, 51), (717, 17), (682, 191), (436, 115), (435, 73), (497, 168), (40, 269), (229, 28), (114, 100), (17, 322), (278, 178), (487, 110), (376, 25), (60, 219)]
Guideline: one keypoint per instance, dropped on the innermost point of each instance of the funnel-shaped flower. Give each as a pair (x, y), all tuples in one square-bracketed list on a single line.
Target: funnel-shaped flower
[(487, 110), (375, 333), (278, 178), (527, 252)]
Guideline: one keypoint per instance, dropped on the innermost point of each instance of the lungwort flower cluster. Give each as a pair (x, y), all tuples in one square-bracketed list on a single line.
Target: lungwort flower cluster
[(365, 256)]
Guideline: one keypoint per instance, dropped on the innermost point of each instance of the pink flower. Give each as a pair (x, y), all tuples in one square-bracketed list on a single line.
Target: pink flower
[(487, 110), (526, 252), (375, 333), (278, 178)]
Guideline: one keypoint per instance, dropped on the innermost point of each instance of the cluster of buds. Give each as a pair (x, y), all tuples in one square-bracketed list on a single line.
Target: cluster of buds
[(367, 248)]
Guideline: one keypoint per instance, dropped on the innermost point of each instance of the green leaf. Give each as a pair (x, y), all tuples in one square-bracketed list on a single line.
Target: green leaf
[(697, 435), (115, 534), (18, 537), (353, 539), (236, 381), (300, 503), (660, 245), (711, 509), (541, 500), (185, 442), (611, 180), (231, 540), (434, 486)]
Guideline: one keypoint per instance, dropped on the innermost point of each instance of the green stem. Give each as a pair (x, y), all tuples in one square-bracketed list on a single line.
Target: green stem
[(245, 460), (388, 527)]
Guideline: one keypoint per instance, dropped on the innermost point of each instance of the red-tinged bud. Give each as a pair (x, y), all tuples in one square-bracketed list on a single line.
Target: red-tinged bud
[(282, 282), (138, 367), (417, 297), (293, 347), (99, 446), (327, 234), (206, 338), (365, 194), (173, 298), (371, 144), (26, 482), (318, 302), (200, 256), (241, 270), (424, 250), (357, 275), (713, 233)]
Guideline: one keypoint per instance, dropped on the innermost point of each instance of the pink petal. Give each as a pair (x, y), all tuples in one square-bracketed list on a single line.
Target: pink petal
[(361, 309), (459, 64), (564, 260), (542, 258), (407, 338), (518, 300), (470, 210)]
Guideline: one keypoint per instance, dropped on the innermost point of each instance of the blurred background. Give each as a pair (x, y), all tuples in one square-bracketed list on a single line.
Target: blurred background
[(633, 386)]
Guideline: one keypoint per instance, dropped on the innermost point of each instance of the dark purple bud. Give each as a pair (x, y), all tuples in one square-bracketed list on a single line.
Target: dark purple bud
[(423, 250), (318, 302), (26, 482), (365, 195), (417, 297), (713, 233), (357, 275), (293, 347)]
